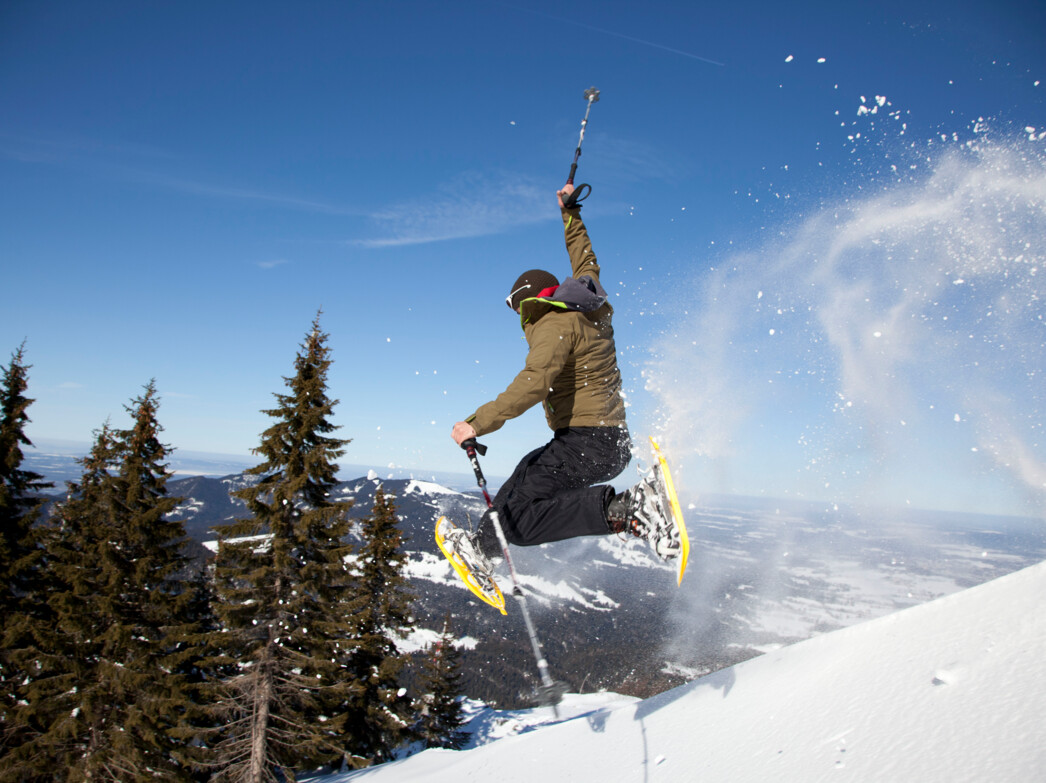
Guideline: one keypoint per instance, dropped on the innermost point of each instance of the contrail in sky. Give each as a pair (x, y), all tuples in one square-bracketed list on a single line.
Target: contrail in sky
[(618, 35)]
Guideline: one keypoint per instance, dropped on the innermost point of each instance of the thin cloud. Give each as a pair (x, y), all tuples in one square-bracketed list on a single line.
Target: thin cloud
[(212, 190), (651, 44), (142, 164), (635, 160), (457, 211), (58, 147), (633, 39)]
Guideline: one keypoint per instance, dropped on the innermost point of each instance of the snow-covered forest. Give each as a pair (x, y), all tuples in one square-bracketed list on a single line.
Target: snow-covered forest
[(125, 659)]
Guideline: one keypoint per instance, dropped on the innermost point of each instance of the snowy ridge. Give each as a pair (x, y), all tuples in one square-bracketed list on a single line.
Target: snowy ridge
[(423, 638), (947, 691), (429, 488)]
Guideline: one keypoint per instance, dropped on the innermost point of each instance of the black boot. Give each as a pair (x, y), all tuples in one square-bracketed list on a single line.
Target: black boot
[(620, 518), (485, 539), (638, 511)]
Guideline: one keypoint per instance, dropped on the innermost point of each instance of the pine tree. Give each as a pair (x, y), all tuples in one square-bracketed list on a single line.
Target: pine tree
[(286, 594), (115, 678), (378, 716), (71, 688), (66, 694), (191, 656), (22, 579), (146, 602), (20, 489), (440, 710)]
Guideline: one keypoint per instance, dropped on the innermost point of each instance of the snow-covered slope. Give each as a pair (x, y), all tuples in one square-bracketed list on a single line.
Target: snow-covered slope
[(952, 690)]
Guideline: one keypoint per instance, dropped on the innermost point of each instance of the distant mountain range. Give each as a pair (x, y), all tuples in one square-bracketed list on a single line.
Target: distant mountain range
[(57, 460), (762, 574)]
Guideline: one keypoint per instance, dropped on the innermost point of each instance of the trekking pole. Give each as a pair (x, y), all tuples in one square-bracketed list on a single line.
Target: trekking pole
[(551, 692), (582, 190)]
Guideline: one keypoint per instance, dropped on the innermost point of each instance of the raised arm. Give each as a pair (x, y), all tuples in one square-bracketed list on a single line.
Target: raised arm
[(579, 247)]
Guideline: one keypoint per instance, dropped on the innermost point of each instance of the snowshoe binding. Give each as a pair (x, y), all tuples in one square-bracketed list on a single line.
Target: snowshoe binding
[(475, 570), (650, 510)]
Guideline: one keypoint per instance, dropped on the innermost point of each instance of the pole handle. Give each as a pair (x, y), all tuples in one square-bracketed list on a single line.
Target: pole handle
[(573, 171), (580, 193), (471, 444)]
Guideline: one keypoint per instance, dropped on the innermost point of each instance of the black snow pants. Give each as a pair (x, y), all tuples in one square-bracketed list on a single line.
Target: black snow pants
[(550, 495)]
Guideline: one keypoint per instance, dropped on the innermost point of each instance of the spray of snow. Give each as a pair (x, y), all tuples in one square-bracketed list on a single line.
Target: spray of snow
[(872, 323)]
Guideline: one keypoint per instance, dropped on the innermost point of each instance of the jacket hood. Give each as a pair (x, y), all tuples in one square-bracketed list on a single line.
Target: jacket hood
[(583, 294)]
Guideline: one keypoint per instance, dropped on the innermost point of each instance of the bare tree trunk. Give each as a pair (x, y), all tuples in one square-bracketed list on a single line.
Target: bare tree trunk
[(260, 727)]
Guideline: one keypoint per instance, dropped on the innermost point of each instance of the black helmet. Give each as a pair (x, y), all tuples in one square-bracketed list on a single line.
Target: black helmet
[(529, 284)]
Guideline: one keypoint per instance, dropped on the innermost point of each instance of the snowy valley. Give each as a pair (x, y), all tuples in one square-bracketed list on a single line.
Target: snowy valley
[(763, 575)]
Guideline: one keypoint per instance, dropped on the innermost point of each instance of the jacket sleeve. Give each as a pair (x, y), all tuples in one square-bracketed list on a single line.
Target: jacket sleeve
[(549, 352), (579, 247)]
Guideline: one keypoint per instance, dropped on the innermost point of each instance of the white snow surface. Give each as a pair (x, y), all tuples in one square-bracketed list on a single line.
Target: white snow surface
[(951, 690), (429, 488)]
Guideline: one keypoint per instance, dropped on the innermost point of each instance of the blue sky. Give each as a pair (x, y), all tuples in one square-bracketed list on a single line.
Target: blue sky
[(787, 198)]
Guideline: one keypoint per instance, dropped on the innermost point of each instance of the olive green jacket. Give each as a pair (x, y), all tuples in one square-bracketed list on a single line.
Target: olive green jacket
[(571, 366)]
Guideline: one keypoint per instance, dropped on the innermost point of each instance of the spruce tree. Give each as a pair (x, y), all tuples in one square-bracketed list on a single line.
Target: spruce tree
[(115, 677), (191, 653), (146, 601), (23, 585), (20, 489), (439, 709), (67, 697), (378, 715), (286, 595), (79, 696)]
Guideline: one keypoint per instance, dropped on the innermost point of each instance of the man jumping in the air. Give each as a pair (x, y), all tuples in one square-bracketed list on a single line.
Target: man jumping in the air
[(556, 492)]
